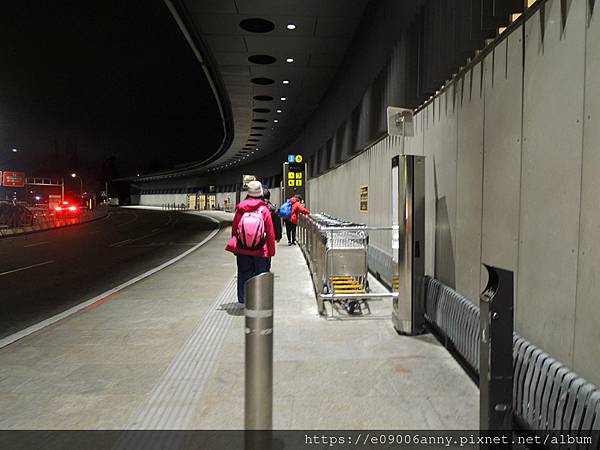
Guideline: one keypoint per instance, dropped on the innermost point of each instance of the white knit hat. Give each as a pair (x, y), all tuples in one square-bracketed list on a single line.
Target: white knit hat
[(255, 189)]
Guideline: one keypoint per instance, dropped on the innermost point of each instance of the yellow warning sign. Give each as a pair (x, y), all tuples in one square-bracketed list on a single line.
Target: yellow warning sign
[(298, 158), (364, 198), (298, 182), (290, 175), (291, 183), (298, 175)]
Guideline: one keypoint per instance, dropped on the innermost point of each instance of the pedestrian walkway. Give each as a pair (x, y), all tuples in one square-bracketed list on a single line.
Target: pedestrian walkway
[(168, 353)]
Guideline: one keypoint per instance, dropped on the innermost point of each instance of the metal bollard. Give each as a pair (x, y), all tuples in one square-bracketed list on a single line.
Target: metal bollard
[(496, 351), (259, 359)]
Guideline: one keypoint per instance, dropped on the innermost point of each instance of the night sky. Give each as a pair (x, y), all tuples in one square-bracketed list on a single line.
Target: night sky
[(84, 81)]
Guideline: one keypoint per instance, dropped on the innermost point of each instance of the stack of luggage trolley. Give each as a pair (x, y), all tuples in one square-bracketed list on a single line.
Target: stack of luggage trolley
[(336, 251)]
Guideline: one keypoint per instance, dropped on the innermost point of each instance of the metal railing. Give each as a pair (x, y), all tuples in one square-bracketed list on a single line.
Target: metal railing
[(546, 395), (336, 252)]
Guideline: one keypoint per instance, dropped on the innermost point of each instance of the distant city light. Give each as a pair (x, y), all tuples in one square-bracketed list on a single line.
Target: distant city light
[(276, 121), (283, 99), (286, 81), (74, 175), (279, 111), (289, 60), (291, 26)]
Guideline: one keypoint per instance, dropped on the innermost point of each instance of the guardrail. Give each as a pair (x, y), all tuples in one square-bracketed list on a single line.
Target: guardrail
[(547, 396), (43, 220), (174, 207)]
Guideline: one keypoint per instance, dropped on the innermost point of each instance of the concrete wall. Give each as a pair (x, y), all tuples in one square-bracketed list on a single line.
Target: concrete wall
[(162, 199), (178, 199), (512, 179)]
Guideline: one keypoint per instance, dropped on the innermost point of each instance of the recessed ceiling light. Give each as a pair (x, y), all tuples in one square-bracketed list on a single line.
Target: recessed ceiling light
[(279, 111), (286, 81), (291, 26), (289, 60), (276, 121), (283, 99)]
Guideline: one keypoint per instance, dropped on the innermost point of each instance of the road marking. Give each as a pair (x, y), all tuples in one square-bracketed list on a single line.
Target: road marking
[(121, 242), (121, 224), (155, 231), (36, 244), (25, 268), (99, 298)]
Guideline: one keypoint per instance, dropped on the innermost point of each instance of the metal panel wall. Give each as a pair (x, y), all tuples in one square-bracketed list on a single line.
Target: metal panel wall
[(536, 202), (502, 154), (469, 178), (587, 316), (162, 199), (551, 177), (440, 143)]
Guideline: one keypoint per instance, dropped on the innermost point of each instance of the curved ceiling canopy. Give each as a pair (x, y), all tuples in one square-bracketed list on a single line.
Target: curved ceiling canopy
[(285, 52)]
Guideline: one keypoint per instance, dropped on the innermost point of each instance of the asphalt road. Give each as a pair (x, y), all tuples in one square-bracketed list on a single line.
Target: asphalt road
[(43, 274)]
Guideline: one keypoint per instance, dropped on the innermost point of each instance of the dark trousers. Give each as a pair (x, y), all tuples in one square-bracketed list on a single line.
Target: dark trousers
[(290, 229), (248, 267)]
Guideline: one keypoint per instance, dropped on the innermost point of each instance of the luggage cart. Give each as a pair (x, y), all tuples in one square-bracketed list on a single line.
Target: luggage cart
[(346, 268), (336, 252)]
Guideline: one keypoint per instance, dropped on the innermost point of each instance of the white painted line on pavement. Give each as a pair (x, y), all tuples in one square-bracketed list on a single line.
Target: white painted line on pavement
[(99, 298), (121, 242), (36, 244), (25, 268)]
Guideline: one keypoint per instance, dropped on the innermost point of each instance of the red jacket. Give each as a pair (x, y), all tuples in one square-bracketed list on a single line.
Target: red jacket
[(248, 205), (297, 208)]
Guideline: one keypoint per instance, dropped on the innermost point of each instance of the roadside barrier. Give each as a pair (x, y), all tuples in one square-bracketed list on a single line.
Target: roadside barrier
[(43, 220)]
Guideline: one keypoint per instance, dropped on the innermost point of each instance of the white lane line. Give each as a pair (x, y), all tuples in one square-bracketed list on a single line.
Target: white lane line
[(36, 244), (38, 326), (25, 268), (121, 242), (136, 217), (156, 231)]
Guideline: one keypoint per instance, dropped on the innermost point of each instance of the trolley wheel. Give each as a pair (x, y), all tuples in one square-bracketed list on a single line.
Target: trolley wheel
[(351, 307)]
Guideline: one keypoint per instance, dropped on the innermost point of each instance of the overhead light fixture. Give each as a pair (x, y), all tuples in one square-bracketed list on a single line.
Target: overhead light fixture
[(276, 121), (283, 99), (289, 60), (279, 111), (14, 150), (286, 81), (291, 26)]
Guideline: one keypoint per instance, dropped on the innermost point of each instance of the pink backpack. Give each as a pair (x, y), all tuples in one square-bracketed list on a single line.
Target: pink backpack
[(251, 233)]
